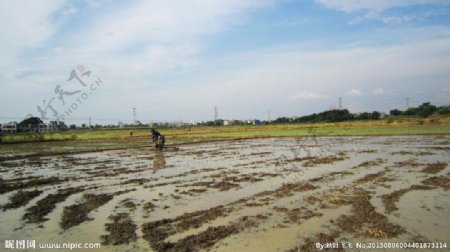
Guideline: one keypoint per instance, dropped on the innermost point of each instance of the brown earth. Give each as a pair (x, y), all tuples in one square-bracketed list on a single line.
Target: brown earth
[(122, 230), (37, 213), (76, 214), (21, 198)]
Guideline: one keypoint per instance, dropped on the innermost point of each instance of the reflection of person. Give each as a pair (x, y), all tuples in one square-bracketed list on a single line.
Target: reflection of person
[(158, 139), (159, 162)]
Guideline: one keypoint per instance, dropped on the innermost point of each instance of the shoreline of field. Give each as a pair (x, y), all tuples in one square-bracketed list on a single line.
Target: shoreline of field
[(74, 142)]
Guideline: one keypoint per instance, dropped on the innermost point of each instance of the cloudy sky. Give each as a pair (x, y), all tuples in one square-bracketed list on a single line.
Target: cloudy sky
[(177, 60)]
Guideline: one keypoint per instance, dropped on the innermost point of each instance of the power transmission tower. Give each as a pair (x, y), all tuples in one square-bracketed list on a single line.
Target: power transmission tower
[(340, 103), (216, 114), (134, 115)]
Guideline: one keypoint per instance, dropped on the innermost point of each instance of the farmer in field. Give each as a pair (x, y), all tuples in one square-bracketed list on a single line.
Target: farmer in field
[(158, 139)]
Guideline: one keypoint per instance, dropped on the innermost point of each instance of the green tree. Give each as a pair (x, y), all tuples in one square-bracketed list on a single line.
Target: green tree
[(426, 109), (29, 124), (395, 112)]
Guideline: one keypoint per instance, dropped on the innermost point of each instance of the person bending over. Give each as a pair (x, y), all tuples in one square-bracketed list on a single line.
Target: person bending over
[(158, 139)]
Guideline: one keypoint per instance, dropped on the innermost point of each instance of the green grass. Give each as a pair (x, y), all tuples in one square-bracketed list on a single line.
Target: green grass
[(103, 139)]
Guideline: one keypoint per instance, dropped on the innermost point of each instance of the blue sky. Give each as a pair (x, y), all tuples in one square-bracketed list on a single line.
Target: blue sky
[(177, 60)]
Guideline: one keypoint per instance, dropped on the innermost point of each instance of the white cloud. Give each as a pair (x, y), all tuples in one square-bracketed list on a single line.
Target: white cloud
[(373, 6), (24, 25), (137, 50), (376, 10), (354, 92), (163, 22), (309, 95), (379, 91), (142, 38)]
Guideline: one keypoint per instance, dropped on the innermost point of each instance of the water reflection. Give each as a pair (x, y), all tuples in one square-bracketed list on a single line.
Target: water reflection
[(159, 162)]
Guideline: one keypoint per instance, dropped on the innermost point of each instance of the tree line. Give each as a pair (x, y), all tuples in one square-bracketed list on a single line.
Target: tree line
[(341, 115)]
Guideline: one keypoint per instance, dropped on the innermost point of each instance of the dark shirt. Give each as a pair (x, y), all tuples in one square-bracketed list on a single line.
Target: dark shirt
[(155, 136)]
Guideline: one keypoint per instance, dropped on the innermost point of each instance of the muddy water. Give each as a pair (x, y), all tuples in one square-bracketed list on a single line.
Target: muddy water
[(275, 194)]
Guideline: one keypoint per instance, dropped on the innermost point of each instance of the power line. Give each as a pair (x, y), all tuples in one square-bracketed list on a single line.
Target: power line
[(216, 114)]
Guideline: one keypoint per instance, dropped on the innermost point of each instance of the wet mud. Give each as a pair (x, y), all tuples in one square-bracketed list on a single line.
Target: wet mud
[(228, 195)]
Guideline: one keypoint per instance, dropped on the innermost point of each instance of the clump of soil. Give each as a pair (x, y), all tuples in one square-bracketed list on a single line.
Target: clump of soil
[(224, 185), (139, 181), (206, 238), (196, 219), (149, 207), (76, 214), (402, 153), (308, 158), (37, 213), (368, 151), (7, 186), (325, 160), (229, 182), (371, 177), (441, 181), (288, 189), (364, 215), (128, 203), (389, 200), (407, 163), (156, 232), (21, 198), (370, 163), (435, 167), (122, 230), (331, 199), (296, 215)]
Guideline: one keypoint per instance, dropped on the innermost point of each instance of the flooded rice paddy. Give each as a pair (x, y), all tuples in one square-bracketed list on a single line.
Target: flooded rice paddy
[(272, 194)]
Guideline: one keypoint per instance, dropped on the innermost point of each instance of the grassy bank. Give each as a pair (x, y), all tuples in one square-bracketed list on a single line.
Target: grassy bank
[(102, 139)]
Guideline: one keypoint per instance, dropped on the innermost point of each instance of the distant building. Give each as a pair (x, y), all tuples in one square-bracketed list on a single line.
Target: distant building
[(36, 128), (9, 127), (256, 122), (44, 127)]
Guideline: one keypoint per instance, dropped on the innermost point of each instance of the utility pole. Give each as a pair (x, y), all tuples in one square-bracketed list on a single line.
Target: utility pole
[(134, 115), (216, 114), (89, 122), (268, 115), (407, 102), (340, 103)]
